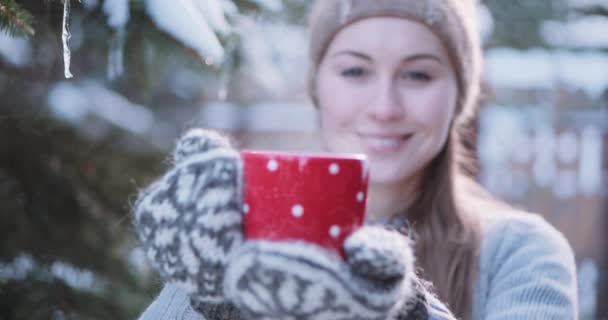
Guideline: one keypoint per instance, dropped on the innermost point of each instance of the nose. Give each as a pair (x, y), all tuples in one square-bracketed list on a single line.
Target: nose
[(386, 105)]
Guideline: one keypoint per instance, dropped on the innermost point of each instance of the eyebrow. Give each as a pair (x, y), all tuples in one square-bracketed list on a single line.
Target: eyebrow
[(417, 56), (353, 53)]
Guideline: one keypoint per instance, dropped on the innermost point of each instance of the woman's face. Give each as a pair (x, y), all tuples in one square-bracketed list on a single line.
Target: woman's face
[(386, 88)]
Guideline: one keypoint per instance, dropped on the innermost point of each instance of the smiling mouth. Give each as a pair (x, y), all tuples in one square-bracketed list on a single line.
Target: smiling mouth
[(385, 143)]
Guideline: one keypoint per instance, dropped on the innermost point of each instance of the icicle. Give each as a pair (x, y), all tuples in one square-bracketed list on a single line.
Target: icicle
[(118, 14), (115, 55), (224, 79), (222, 93), (65, 37), (226, 70)]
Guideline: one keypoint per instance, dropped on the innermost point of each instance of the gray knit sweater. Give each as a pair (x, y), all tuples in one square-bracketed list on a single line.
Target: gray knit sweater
[(526, 271)]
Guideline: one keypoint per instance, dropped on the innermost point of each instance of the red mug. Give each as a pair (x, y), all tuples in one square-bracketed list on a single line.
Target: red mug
[(312, 197)]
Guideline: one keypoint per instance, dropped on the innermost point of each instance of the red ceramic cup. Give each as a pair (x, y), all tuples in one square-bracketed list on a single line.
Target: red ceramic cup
[(317, 198)]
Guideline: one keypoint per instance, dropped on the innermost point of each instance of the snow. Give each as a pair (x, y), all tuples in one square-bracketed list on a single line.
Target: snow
[(137, 258), (258, 55), (230, 9), (16, 51), (275, 55), (587, 71), (19, 268), (185, 82), (565, 186), (588, 276), (117, 12), (506, 67), (501, 129), (589, 32), (24, 265), (75, 277), (68, 103), (75, 102), (551, 151), (271, 5), (567, 147), (586, 3), (185, 22), (214, 13), (544, 69), (590, 165)]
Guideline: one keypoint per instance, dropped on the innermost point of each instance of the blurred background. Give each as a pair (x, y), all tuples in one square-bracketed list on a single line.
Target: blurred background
[(94, 93)]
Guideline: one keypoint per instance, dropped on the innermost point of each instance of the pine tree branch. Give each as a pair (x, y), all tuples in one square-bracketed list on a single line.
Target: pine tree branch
[(14, 19), (595, 10)]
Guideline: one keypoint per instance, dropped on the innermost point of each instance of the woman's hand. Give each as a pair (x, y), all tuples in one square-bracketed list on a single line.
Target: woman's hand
[(297, 280), (190, 221), (190, 225)]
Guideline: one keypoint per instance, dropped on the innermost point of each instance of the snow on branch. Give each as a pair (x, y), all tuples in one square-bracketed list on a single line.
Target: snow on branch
[(183, 20)]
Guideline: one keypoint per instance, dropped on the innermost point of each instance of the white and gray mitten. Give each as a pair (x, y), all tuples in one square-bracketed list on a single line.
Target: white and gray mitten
[(297, 280), (190, 221)]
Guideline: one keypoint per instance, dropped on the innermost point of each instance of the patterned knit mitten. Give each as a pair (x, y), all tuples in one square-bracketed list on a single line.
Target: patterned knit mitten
[(190, 221), (297, 280)]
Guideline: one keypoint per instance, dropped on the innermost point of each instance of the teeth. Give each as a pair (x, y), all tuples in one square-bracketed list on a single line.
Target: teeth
[(383, 142)]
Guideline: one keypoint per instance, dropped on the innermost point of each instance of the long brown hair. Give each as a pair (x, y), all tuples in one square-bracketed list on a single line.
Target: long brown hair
[(445, 219)]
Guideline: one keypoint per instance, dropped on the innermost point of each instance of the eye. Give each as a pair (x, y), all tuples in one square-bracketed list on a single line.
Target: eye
[(417, 76), (353, 72)]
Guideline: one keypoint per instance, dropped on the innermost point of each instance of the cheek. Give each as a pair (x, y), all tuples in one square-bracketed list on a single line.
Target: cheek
[(337, 110), (435, 112)]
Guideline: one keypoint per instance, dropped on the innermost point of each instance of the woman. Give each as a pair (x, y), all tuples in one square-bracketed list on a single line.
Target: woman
[(397, 80)]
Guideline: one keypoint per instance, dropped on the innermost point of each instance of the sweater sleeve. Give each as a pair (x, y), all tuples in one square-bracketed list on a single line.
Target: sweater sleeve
[(533, 274), (437, 310), (171, 304)]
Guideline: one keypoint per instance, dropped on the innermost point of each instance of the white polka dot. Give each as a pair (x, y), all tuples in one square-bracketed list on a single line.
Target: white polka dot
[(272, 165), (334, 231), (334, 168), (245, 208), (297, 211), (360, 196)]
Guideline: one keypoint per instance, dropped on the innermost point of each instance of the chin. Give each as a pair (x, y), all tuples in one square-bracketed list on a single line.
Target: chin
[(383, 176), (384, 180)]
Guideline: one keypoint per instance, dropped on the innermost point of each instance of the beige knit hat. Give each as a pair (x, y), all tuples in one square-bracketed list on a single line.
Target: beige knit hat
[(454, 21)]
